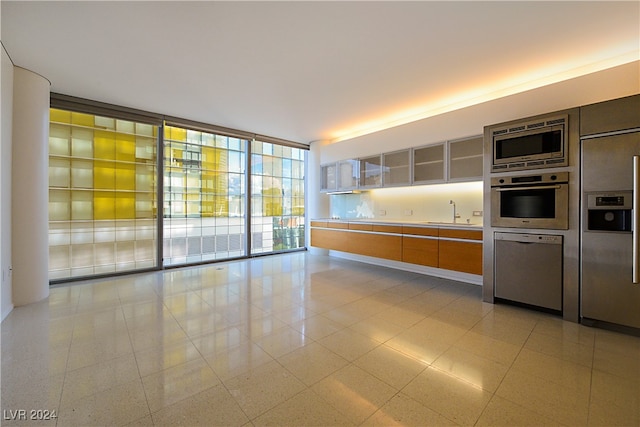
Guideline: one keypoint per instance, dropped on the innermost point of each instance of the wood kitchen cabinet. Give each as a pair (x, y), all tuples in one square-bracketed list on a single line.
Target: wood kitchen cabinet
[(384, 246), (455, 249), (420, 246), (381, 242), (460, 250)]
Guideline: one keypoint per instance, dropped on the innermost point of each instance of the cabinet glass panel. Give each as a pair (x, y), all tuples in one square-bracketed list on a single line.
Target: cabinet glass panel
[(396, 167), (428, 163), (329, 177), (347, 174), (371, 171), (465, 159)]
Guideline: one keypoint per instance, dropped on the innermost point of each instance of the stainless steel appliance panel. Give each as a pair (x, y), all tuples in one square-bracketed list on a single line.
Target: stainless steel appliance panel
[(534, 144), (531, 201), (608, 243), (528, 269), (608, 293)]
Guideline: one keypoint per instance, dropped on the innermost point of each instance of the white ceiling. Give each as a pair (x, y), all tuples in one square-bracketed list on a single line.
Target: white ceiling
[(307, 71)]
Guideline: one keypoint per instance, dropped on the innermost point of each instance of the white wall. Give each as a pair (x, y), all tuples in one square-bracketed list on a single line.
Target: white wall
[(431, 202), (6, 109), (604, 85)]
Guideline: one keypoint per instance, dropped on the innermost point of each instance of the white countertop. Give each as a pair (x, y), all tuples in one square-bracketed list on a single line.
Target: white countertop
[(404, 222)]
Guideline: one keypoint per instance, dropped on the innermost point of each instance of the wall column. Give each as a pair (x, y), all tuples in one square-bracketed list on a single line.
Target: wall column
[(317, 203), (30, 187)]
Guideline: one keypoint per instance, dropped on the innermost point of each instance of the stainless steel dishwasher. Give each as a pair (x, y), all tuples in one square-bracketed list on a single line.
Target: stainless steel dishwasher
[(528, 269)]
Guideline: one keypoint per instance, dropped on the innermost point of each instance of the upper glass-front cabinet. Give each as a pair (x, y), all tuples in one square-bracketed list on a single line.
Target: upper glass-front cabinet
[(429, 164), (348, 174), (371, 171), (329, 177), (397, 168), (465, 159)]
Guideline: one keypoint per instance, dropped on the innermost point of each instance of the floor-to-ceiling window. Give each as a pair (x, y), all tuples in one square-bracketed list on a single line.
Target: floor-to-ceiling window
[(113, 195), (204, 204), (102, 195), (277, 197)]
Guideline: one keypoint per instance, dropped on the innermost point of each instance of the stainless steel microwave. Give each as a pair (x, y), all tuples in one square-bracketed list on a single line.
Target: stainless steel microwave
[(531, 145)]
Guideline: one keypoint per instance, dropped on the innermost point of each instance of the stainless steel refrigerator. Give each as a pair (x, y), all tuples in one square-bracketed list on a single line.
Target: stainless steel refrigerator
[(610, 265)]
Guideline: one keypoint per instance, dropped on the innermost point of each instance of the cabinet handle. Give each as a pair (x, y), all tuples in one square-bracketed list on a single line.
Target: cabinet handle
[(636, 218), (541, 187)]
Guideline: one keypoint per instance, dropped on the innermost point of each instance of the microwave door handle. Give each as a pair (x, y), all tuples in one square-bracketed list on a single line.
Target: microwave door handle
[(636, 219), (540, 187)]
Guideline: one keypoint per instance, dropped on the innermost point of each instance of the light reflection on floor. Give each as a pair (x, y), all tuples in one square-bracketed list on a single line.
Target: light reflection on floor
[(300, 339)]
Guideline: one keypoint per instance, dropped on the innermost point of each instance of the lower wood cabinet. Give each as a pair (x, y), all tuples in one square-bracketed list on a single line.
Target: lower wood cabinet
[(370, 244), (329, 239), (376, 245), (446, 248), (460, 256), (421, 251)]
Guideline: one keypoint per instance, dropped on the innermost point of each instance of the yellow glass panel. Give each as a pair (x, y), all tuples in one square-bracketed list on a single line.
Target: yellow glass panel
[(272, 206), (208, 182), (175, 134), (125, 206), (104, 145), (208, 205), (82, 119), (104, 205), (125, 176), (104, 175), (125, 147), (176, 156), (211, 158), (59, 116)]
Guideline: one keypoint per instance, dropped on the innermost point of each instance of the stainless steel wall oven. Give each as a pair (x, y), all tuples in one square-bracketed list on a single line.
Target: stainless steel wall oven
[(531, 201)]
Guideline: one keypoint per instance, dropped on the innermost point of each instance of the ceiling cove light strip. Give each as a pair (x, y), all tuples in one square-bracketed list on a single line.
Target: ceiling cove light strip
[(524, 83)]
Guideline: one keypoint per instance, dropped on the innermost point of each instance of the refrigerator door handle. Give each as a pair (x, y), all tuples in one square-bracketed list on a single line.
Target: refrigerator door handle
[(636, 219)]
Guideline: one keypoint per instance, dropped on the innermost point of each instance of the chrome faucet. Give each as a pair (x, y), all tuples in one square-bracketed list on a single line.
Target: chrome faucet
[(455, 215)]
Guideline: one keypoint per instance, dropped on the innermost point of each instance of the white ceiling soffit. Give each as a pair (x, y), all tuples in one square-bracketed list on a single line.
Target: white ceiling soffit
[(308, 71)]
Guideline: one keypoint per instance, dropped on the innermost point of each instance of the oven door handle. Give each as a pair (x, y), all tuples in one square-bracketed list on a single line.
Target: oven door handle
[(636, 219), (541, 187)]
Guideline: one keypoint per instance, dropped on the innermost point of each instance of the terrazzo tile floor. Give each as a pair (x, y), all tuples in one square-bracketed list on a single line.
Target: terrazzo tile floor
[(300, 339)]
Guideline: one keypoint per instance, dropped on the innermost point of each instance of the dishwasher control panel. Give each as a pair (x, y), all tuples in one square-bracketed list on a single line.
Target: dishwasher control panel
[(529, 238)]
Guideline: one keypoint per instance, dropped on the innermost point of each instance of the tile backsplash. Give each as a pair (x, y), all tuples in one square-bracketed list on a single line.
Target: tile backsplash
[(416, 203)]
